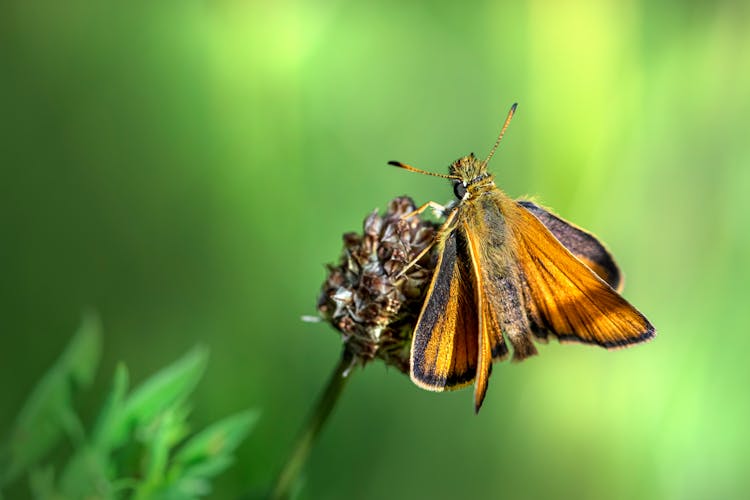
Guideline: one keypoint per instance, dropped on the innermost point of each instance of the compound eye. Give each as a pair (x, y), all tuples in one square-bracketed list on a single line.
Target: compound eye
[(459, 190)]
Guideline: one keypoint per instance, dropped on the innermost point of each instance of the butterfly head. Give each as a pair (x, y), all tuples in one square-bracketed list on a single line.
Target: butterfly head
[(468, 174)]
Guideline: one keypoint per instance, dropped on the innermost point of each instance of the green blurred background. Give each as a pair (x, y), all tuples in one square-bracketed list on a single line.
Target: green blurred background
[(186, 169)]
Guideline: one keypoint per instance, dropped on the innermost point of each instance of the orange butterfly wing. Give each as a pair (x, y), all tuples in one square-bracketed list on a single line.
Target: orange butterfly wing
[(564, 297), (584, 245), (444, 347)]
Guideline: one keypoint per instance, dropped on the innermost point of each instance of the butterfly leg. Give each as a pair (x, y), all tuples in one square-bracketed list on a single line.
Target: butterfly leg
[(438, 209), (441, 233)]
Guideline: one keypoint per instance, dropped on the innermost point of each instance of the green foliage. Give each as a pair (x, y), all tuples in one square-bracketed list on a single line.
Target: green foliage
[(48, 412), (140, 445)]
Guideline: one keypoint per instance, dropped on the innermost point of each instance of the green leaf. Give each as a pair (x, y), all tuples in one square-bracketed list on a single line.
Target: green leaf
[(47, 414), (85, 475), (209, 452), (203, 456), (209, 468), (110, 414), (166, 388), (188, 488), (169, 386), (159, 438)]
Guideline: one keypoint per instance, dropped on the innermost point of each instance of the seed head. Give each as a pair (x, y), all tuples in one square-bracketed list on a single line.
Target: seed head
[(364, 297)]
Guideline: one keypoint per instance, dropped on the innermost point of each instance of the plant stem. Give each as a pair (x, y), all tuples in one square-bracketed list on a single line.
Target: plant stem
[(305, 440)]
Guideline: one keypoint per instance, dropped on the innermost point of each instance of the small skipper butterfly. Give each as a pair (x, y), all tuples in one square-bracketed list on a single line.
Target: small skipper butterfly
[(510, 270)]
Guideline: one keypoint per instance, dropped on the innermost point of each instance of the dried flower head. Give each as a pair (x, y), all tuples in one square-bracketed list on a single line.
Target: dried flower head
[(364, 297)]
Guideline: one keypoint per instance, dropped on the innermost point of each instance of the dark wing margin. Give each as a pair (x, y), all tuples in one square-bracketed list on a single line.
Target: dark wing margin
[(582, 244), (444, 347)]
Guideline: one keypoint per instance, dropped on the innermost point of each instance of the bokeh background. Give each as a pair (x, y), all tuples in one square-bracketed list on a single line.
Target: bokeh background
[(186, 169)]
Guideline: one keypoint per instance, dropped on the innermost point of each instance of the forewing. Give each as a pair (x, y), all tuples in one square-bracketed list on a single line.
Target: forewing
[(444, 347), (564, 297), (582, 244)]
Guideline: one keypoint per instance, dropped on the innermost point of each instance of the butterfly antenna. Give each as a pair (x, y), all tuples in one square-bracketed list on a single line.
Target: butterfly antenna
[(502, 132), (419, 171)]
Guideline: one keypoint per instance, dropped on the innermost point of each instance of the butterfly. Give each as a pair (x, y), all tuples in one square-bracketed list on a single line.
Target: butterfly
[(510, 271)]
